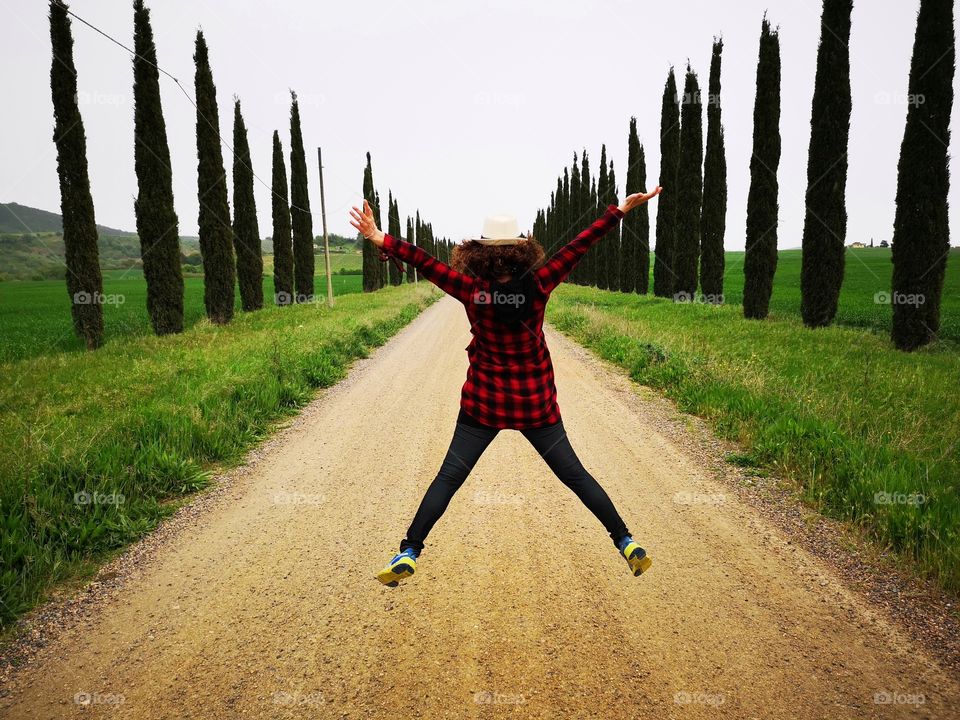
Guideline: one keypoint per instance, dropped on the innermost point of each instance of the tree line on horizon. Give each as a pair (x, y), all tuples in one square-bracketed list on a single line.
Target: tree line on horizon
[(690, 224), (230, 247)]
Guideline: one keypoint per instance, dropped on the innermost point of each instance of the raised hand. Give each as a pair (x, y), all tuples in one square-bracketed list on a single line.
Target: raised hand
[(364, 222), (638, 199)]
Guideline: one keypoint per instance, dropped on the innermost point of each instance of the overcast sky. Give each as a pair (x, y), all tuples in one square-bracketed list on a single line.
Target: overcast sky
[(468, 109)]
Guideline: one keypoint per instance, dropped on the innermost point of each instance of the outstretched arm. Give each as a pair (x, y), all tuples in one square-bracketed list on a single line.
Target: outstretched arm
[(562, 262), (439, 273)]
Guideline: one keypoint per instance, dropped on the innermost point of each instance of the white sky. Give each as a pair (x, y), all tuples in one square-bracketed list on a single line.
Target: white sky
[(467, 109)]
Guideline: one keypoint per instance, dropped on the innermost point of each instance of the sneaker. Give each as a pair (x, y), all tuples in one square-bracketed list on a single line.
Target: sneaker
[(635, 555), (402, 566)]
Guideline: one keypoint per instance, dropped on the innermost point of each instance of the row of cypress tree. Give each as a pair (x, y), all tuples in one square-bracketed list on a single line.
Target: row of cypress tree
[(690, 226), (230, 248), (377, 274)]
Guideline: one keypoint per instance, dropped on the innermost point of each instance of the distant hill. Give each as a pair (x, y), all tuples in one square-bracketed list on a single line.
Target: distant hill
[(17, 218)]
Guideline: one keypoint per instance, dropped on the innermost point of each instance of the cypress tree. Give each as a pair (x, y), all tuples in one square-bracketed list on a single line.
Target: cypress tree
[(216, 235), (84, 281), (760, 258), (282, 249), (157, 223), (713, 220), (663, 272), (300, 216), (410, 238), (381, 266), (599, 269), (921, 231), (689, 189), (635, 243), (393, 215), (587, 208), (246, 230), (371, 263), (825, 224), (573, 207), (613, 237)]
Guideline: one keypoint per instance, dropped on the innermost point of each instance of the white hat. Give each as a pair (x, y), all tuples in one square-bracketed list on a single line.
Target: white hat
[(500, 230)]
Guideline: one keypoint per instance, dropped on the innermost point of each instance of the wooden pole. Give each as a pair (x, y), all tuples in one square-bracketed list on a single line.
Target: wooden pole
[(326, 241)]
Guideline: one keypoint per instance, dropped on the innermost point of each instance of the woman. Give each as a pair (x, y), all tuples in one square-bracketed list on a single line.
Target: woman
[(504, 285)]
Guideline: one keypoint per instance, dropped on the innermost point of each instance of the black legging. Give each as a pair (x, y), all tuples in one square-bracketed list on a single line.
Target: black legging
[(468, 445)]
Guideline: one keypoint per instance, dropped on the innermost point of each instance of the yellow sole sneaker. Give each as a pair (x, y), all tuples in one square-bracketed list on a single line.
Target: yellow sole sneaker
[(400, 568), (637, 558)]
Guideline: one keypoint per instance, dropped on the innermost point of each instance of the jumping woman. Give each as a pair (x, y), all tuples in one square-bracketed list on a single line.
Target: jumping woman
[(504, 284)]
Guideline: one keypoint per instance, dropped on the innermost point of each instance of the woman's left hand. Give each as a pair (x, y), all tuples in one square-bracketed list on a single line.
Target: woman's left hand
[(365, 223), (637, 199)]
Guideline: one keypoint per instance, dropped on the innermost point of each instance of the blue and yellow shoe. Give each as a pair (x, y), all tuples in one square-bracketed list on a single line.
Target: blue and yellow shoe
[(635, 555), (402, 566)]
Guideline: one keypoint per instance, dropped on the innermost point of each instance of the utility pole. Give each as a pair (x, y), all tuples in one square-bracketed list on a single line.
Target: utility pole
[(326, 241)]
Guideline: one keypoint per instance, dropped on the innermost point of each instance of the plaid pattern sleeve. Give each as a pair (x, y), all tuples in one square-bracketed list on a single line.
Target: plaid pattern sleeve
[(439, 273), (558, 267)]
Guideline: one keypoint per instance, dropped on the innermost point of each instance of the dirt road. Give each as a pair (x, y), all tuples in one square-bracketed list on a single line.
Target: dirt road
[(265, 606)]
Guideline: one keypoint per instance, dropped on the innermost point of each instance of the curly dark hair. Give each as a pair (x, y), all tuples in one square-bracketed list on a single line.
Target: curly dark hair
[(489, 262)]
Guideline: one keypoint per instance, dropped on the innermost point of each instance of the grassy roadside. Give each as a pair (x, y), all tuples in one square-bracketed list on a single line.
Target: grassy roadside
[(95, 447), (870, 434)]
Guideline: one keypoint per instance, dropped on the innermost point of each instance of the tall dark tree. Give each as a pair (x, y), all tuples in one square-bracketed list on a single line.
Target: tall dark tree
[(84, 281), (157, 223), (599, 264), (713, 218), (921, 231), (612, 239), (587, 209), (282, 248), (300, 216), (635, 243), (663, 272), (216, 235), (760, 258), (382, 279), (825, 224), (573, 208), (371, 263), (246, 230), (393, 223), (689, 188), (409, 237)]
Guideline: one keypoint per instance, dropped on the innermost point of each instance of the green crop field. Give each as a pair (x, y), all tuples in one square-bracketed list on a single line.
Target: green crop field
[(96, 447), (870, 434), (35, 315)]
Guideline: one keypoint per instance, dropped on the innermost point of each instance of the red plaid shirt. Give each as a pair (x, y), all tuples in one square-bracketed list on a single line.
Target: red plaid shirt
[(510, 381)]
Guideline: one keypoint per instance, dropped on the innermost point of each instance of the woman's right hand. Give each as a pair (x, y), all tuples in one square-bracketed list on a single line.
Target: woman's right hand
[(638, 199), (365, 223)]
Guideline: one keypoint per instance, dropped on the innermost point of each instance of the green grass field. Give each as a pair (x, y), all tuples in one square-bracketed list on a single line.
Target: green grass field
[(35, 315), (869, 433), (868, 272), (96, 447)]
